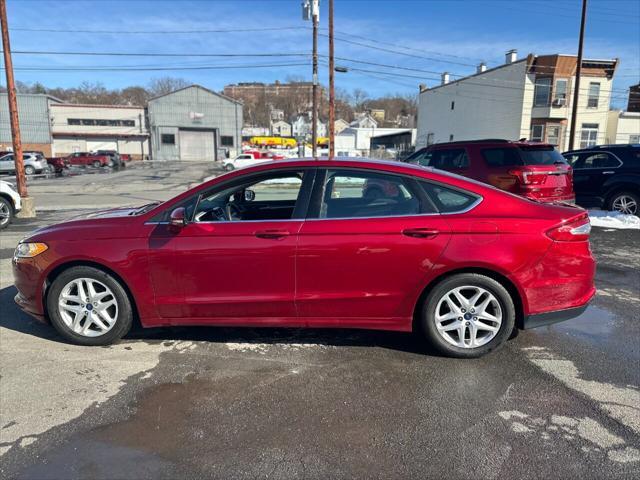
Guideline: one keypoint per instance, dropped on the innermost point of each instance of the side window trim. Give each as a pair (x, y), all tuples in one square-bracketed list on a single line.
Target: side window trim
[(479, 198)]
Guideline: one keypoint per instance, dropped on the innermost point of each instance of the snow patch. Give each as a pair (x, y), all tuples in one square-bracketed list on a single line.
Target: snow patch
[(600, 218)]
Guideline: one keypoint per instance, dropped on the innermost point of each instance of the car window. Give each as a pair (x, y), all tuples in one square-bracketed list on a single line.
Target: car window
[(421, 157), (501, 157), (444, 159), (541, 156), (572, 158), (448, 200), (358, 194), (599, 160), (268, 197)]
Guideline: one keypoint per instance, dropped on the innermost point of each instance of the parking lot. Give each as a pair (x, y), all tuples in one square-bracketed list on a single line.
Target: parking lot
[(557, 402)]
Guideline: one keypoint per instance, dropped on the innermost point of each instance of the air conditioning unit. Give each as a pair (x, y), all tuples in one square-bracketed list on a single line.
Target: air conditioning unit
[(559, 102)]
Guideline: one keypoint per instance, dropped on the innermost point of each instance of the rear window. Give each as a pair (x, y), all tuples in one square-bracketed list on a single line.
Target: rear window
[(541, 156), (501, 157)]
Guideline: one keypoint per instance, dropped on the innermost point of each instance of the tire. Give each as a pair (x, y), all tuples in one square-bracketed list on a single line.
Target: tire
[(97, 164), (624, 202), (29, 170), (228, 167), (122, 312), (6, 213), (448, 342)]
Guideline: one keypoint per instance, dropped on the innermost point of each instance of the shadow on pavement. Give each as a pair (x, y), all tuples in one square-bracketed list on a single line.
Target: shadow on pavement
[(13, 318)]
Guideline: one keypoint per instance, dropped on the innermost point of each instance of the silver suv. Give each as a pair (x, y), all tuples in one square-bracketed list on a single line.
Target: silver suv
[(33, 163)]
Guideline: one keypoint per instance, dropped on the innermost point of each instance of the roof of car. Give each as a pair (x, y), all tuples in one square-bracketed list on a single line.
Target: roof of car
[(604, 147), (517, 143)]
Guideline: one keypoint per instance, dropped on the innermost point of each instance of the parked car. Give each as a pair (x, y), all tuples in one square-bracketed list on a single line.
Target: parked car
[(264, 155), (58, 164), (116, 160), (533, 170), (10, 204), (297, 243), (242, 160), (607, 176), (86, 159), (34, 162)]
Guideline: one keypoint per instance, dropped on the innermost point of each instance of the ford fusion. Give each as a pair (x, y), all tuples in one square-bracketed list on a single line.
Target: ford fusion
[(346, 244)]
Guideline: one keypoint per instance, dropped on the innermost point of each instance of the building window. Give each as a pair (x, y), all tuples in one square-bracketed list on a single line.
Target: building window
[(451, 137), (73, 121), (594, 94), (588, 135), (542, 92), (226, 141), (560, 93), (634, 139), (430, 138), (168, 139), (101, 122), (128, 123), (453, 105), (537, 133), (88, 121), (553, 134)]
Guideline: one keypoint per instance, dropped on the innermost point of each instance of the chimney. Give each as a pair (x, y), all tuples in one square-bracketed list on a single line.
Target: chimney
[(481, 68), (511, 56), (445, 78), (422, 87)]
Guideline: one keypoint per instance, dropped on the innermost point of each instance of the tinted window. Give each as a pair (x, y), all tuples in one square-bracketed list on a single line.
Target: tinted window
[(448, 200), (168, 138), (501, 157), (598, 160), (356, 194), (449, 159), (541, 156), (421, 157)]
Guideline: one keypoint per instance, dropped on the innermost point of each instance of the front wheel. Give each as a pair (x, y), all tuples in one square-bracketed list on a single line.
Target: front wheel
[(228, 167), (468, 315), (6, 213), (29, 170), (97, 164), (89, 307), (625, 202)]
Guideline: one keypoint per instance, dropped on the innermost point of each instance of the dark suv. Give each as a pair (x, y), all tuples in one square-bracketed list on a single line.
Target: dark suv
[(607, 176), (533, 170)]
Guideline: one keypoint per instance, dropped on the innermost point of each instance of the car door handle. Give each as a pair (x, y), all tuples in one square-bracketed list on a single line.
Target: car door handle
[(420, 232), (608, 172), (272, 234)]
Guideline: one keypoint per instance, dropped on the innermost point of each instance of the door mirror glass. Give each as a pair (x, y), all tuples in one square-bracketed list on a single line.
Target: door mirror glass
[(249, 195), (178, 218)]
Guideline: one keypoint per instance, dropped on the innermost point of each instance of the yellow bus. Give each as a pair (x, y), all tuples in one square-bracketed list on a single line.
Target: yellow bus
[(285, 142)]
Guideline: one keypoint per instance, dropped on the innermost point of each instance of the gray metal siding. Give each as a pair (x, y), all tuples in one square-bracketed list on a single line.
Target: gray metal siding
[(33, 113), (176, 111)]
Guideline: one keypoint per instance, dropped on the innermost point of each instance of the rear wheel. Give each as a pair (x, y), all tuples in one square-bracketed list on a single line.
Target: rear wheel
[(97, 164), (89, 307), (468, 315), (228, 167), (6, 213), (624, 202), (29, 170)]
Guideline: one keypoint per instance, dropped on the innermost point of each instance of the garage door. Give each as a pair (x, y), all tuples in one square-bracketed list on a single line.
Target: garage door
[(197, 146)]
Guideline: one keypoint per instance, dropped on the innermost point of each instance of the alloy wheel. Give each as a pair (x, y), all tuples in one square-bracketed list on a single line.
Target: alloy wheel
[(468, 316), (88, 307), (5, 213), (625, 204)]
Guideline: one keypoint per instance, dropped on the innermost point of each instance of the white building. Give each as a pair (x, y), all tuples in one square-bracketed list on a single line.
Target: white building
[(85, 128), (301, 127), (359, 139), (364, 120), (281, 128), (623, 127), (528, 98)]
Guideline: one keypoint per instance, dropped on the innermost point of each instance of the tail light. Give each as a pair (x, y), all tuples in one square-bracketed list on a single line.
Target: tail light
[(574, 230), (527, 177)]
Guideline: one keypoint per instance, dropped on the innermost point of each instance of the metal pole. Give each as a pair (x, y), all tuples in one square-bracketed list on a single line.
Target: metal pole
[(314, 111), (576, 87), (13, 103), (332, 92)]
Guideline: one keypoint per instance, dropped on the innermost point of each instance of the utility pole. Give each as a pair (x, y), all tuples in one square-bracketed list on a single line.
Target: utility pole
[(576, 87), (28, 210), (332, 90), (315, 14)]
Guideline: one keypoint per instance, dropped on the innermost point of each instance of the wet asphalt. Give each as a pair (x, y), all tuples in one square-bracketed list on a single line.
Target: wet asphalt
[(557, 402)]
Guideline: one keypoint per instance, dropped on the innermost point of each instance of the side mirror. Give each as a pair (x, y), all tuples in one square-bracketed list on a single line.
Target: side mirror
[(177, 220), (249, 195)]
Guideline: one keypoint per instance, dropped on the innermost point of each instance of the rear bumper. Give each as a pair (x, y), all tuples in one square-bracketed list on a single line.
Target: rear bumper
[(549, 318)]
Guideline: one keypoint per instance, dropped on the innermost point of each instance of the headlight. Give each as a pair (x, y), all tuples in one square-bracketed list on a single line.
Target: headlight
[(30, 250)]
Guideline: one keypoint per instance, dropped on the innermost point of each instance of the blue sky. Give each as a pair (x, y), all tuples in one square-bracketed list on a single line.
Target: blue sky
[(428, 35)]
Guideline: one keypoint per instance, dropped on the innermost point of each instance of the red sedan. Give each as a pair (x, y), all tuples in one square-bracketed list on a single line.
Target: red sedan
[(301, 244)]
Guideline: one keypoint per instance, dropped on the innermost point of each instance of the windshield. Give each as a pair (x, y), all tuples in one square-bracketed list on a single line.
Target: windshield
[(541, 156)]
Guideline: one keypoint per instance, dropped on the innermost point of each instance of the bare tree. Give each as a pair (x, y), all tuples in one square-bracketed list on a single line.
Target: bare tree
[(164, 85)]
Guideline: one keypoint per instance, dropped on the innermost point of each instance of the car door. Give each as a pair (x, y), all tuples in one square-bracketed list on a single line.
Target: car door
[(229, 263), (363, 259), (7, 164), (590, 172)]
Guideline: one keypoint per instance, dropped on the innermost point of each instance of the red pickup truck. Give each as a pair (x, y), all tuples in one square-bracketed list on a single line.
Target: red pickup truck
[(89, 159)]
